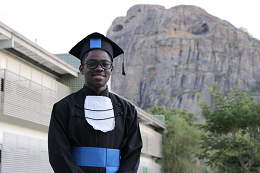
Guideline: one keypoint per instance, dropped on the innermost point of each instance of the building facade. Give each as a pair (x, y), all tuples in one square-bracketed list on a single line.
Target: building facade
[(32, 80)]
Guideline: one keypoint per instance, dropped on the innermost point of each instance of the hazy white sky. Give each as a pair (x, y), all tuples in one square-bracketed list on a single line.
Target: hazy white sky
[(60, 24)]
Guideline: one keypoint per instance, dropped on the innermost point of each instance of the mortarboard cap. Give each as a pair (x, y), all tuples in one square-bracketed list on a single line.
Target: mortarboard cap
[(97, 41)]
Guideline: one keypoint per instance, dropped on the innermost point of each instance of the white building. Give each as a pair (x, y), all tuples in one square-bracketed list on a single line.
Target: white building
[(32, 80)]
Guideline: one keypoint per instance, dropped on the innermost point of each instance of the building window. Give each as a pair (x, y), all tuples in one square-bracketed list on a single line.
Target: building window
[(2, 84), (0, 155)]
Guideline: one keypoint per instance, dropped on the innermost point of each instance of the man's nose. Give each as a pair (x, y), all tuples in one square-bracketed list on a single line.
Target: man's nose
[(99, 67)]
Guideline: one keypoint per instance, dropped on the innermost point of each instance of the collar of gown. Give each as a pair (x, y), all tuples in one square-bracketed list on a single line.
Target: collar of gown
[(87, 91)]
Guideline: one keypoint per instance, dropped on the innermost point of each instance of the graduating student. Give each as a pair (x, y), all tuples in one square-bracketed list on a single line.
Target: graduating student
[(93, 130)]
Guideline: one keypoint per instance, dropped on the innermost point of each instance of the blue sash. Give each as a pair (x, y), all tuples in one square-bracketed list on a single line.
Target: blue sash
[(97, 157)]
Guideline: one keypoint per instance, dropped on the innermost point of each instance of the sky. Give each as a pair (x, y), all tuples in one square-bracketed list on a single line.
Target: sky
[(58, 25)]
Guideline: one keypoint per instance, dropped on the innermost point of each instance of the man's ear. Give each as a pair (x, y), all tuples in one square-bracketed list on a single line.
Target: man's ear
[(81, 68), (112, 68)]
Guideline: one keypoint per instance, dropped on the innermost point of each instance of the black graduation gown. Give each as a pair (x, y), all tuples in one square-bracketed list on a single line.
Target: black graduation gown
[(69, 128)]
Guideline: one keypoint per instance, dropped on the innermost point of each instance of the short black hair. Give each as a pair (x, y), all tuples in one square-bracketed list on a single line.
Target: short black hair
[(86, 55)]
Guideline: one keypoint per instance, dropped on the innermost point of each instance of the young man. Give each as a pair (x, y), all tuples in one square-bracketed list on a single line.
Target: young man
[(93, 130)]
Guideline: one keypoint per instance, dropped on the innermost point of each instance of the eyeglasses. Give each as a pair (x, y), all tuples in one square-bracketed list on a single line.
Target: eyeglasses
[(93, 64)]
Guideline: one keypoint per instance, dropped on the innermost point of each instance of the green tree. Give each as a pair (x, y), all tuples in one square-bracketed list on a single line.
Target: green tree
[(245, 31), (181, 142), (232, 141)]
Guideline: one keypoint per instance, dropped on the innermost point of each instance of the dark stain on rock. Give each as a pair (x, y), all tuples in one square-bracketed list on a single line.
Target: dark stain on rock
[(118, 28), (199, 29)]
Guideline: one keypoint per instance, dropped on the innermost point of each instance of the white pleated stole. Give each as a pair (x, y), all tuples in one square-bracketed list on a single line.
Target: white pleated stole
[(99, 113)]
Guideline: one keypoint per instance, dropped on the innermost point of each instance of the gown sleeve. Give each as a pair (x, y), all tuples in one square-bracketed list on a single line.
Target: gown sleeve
[(130, 153), (59, 148)]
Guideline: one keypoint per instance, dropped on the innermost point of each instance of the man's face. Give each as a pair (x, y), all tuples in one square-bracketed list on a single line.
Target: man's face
[(97, 78)]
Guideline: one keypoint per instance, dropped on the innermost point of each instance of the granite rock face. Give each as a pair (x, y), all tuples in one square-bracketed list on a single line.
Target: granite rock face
[(171, 54)]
